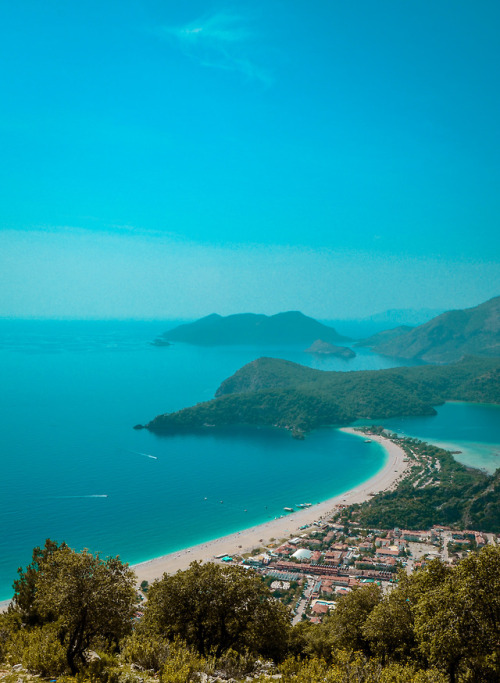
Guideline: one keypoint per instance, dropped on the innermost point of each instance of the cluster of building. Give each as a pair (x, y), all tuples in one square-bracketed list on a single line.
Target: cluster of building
[(330, 559)]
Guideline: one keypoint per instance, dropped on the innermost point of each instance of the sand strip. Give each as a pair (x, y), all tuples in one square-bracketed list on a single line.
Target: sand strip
[(245, 541)]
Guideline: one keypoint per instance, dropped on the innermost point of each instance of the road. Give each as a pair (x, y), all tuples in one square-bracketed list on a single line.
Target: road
[(304, 601)]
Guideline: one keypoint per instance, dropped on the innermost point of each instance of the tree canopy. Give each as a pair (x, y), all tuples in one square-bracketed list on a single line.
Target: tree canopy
[(215, 608), (83, 597)]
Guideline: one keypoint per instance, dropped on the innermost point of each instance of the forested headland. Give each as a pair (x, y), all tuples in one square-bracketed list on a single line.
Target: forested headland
[(279, 393)]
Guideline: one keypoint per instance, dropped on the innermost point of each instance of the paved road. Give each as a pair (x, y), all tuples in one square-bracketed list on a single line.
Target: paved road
[(306, 596)]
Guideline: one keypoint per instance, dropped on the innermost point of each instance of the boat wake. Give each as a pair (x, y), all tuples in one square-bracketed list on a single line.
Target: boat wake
[(144, 455), (90, 495)]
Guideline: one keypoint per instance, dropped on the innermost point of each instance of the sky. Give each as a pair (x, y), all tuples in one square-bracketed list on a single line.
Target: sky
[(170, 160)]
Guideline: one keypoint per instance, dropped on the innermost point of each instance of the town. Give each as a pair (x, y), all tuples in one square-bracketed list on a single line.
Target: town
[(310, 572)]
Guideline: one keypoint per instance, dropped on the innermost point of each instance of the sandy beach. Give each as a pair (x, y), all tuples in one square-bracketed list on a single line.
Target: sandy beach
[(247, 540)]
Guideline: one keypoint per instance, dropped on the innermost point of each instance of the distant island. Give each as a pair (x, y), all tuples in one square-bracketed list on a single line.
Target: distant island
[(160, 342), (323, 348), (274, 392), (290, 328), (446, 338)]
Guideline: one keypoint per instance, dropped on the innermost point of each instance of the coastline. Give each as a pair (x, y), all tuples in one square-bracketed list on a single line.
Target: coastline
[(284, 527), (247, 540)]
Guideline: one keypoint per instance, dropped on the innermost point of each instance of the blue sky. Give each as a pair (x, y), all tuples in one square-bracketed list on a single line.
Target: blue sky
[(166, 159)]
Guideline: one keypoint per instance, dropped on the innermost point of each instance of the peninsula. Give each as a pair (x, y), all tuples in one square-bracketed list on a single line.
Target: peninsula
[(279, 393)]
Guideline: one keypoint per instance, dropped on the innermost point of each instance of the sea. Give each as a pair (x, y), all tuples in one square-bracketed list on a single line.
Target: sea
[(75, 470)]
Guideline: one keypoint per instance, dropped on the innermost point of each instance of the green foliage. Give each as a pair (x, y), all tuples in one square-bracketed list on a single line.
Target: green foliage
[(389, 627), (271, 391), (457, 622), (39, 650), (349, 667), (216, 608), (10, 624), (25, 585), (146, 650), (348, 619), (87, 601), (182, 665), (438, 625), (452, 494)]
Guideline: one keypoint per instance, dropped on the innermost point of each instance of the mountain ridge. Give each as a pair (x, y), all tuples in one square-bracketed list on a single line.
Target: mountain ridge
[(289, 327), (448, 337)]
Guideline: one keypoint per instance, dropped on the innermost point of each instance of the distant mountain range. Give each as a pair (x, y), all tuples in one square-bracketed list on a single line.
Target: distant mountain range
[(446, 338), (287, 328), (405, 316), (384, 337)]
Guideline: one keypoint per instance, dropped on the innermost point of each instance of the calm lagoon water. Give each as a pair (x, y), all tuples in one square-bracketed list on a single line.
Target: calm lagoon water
[(471, 428), (75, 470)]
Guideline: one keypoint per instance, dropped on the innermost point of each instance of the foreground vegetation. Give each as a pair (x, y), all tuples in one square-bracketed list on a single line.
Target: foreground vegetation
[(274, 392), (72, 617)]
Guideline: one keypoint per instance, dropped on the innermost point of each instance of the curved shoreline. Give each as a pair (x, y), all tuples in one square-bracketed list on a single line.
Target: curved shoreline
[(248, 539)]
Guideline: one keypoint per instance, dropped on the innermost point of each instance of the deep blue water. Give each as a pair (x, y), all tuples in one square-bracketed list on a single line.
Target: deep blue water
[(75, 470)]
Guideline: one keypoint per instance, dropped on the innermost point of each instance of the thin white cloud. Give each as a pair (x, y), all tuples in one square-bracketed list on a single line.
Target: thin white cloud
[(220, 41), (77, 273)]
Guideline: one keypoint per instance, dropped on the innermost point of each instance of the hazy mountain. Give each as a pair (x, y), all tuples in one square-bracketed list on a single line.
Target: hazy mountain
[(292, 327), (384, 337), (450, 336), (405, 316)]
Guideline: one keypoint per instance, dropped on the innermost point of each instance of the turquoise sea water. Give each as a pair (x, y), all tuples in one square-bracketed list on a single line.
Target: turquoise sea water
[(75, 470)]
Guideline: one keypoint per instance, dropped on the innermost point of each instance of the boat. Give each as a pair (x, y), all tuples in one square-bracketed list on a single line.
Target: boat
[(288, 509), (368, 440)]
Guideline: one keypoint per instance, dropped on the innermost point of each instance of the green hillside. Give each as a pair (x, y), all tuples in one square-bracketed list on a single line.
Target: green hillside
[(447, 338), (280, 393), (437, 491)]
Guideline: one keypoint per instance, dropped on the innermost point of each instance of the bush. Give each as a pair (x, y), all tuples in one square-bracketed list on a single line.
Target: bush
[(147, 651), (39, 651)]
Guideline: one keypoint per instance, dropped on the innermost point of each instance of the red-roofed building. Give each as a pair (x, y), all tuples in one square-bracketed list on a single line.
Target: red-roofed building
[(387, 551), (318, 608)]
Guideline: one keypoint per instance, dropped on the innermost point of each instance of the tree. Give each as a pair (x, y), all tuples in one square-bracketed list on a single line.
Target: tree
[(25, 585), (457, 622), (215, 608), (389, 627), (346, 623), (85, 598)]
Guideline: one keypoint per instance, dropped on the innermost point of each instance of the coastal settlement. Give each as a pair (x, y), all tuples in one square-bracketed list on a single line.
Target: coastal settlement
[(336, 553)]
